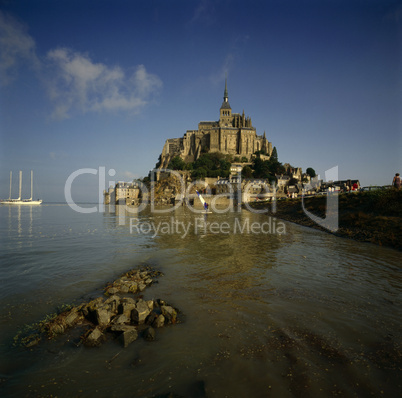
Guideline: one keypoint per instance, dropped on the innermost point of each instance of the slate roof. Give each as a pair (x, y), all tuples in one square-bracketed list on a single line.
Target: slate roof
[(225, 105)]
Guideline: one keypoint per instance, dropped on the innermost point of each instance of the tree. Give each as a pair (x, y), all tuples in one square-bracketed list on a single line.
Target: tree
[(293, 181), (177, 163), (224, 164), (311, 172), (267, 168), (199, 173), (247, 172), (204, 161), (189, 166), (274, 154), (263, 169), (211, 165)]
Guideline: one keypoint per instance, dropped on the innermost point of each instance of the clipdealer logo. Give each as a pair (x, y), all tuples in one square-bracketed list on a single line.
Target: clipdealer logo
[(235, 193)]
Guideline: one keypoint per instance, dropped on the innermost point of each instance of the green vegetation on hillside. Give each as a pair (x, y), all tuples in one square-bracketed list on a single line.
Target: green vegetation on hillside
[(266, 169), (207, 165), (211, 165), (177, 163), (216, 164)]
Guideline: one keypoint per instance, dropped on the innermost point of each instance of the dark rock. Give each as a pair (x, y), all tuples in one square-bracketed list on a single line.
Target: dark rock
[(143, 274), (90, 308), (124, 288), (94, 337), (128, 335), (159, 321), (94, 304), (112, 299), (141, 286), (55, 328), (119, 328), (151, 318), (103, 316), (112, 303), (112, 290), (159, 302), (71, 318), (120, 319), (149, 334), (140, 312), (133, 287), (126, 306), (128, 300), (169, 313)]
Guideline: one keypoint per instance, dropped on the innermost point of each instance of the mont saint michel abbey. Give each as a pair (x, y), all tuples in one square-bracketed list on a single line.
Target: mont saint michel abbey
[(232, 134)]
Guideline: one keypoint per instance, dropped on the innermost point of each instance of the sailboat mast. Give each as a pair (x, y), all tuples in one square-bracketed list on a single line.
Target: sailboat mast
[(19, 198), (11, 178), (31, 183)]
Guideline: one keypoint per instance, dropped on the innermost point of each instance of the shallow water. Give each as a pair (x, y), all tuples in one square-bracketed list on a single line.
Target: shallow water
[(299, 314)]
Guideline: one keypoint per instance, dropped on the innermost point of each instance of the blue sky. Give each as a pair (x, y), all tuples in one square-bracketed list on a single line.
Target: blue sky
[(89, 84)]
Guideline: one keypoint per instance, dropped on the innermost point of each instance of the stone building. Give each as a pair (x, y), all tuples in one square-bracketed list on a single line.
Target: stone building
[(293, 172), (123, 193), (232, 134), (281, 182)]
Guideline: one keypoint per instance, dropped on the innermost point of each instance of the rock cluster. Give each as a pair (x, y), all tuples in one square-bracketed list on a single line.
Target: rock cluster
[(126, 318), (133, 281), (123, 314)]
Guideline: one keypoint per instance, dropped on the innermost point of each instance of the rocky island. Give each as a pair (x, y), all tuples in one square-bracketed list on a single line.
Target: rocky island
[(121, 314)]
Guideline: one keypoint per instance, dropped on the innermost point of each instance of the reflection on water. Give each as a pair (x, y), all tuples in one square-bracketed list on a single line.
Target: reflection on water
[(298, 314)]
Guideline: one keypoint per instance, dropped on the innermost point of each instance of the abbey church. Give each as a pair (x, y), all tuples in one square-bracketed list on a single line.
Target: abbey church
[(232, 134)]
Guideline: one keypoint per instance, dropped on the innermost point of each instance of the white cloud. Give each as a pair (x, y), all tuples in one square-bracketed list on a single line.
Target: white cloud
[(16, 47), (76, 83), (73, 81)]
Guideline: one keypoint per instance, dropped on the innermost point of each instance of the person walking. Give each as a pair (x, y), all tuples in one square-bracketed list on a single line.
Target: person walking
[(396, 182)]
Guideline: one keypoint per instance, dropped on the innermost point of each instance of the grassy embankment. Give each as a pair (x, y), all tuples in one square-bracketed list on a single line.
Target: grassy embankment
[(374, 217)]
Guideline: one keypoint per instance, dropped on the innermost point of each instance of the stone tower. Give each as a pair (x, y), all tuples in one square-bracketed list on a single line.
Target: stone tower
[(225, 119)]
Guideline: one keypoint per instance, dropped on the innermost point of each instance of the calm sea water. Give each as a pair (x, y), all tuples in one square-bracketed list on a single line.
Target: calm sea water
[(303, 314)]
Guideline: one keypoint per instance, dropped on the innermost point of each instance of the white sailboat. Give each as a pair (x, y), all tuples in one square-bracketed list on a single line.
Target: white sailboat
[(20, 201)]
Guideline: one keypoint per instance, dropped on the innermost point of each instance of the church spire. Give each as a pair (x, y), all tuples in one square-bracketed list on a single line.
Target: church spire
[(225, 103), (225, 118), (225, 93)]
